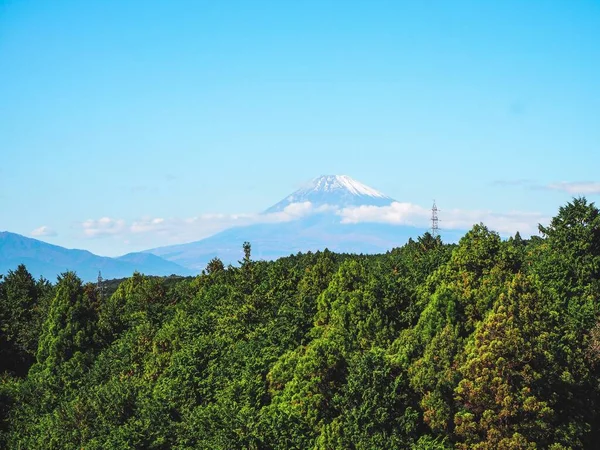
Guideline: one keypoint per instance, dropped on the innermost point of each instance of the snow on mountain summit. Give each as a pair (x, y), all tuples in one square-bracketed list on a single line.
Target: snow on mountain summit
[(330, 183), (334, 190)]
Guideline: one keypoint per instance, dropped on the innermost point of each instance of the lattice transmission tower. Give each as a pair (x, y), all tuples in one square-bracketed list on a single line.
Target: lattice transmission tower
[(100, 287), (435, 229)]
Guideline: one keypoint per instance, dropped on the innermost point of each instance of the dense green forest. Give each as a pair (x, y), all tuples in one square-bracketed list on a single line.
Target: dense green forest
[(487, 344)]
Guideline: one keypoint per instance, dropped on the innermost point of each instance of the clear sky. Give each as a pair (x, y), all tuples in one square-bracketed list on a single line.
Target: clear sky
[(149, 112)]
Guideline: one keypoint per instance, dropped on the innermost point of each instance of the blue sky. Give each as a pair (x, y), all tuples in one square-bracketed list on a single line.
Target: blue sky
[(191, 113)]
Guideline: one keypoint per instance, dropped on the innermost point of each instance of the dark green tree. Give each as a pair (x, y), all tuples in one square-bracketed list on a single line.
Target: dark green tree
[(214, 265), (23, 307)]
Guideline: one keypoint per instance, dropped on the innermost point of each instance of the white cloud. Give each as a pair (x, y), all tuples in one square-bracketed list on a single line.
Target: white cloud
[(504, 223), (397, 213), (147, 224), (192, 228), (103, 227), (576, 187), (43, 231), (454, 219), (298, 209), (151, 232), (291, 212)]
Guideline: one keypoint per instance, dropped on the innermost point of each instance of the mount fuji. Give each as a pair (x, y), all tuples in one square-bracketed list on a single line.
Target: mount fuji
[(319, 228), (334, 190)]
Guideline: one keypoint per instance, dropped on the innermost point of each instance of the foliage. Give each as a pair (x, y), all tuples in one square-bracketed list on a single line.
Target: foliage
[(487, 344)]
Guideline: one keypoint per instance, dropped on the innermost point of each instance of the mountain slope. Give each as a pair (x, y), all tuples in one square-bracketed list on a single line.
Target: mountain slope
[(334, 190), (315, 232), (43, 259), (152, 264), (270, 241)]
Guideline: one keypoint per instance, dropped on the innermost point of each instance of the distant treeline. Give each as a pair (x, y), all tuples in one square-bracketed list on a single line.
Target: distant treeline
[(488, 344)]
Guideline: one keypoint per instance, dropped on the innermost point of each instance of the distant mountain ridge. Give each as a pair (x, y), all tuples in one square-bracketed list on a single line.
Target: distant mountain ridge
[(48, 260), (274, 240), (320, 230)]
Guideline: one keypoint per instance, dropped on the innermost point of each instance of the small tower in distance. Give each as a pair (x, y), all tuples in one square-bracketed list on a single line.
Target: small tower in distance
[(435, 230), (100, 287)]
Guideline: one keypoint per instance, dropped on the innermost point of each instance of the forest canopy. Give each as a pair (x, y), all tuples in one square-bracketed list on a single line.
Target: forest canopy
[(486, 344)]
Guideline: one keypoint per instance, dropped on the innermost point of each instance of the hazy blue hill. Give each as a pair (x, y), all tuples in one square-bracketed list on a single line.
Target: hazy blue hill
[(43, 259), (153, 265), (270, 241)]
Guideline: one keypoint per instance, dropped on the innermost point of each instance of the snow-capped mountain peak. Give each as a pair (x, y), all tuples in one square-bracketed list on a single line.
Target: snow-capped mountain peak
[(330, 183), (334, 190)]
